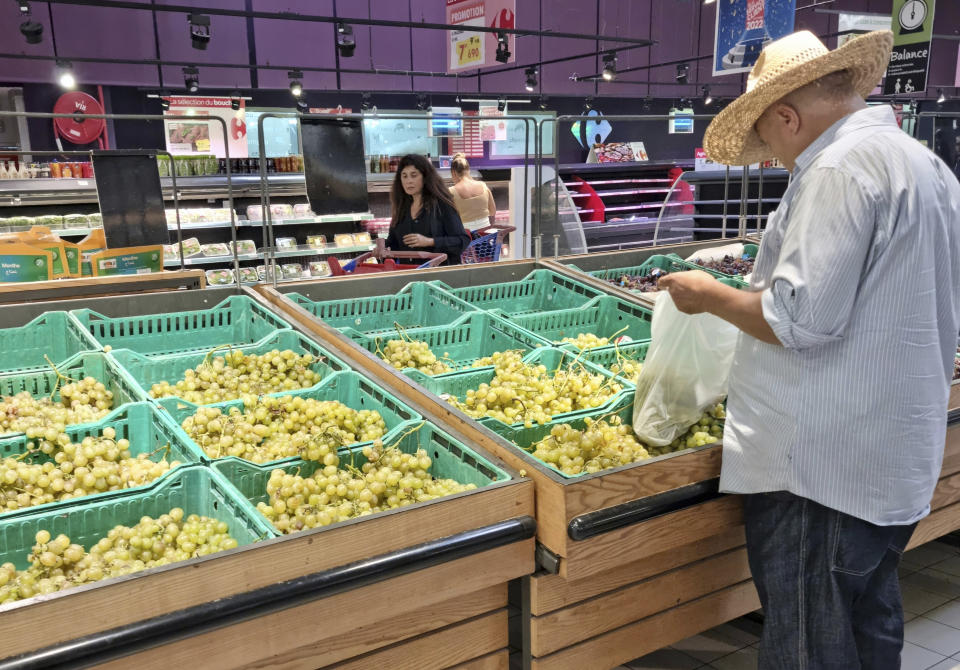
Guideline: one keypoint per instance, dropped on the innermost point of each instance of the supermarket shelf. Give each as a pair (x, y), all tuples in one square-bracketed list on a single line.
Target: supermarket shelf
[(302, 250)]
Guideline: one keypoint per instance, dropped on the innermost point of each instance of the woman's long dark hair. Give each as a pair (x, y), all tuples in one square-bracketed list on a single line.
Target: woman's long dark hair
[(434, 190)]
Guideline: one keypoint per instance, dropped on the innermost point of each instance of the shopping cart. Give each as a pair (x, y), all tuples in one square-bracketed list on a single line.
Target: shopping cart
[(486, 248), (392, 260)]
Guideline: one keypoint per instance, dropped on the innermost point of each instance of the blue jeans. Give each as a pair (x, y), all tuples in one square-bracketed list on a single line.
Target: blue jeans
[(828, 584)]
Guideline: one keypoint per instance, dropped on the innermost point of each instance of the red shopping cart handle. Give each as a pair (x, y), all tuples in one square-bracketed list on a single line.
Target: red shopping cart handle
[(392, 260)]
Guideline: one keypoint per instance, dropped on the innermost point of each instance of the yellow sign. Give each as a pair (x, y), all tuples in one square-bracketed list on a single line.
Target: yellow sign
[(469, 51), (203, 146)]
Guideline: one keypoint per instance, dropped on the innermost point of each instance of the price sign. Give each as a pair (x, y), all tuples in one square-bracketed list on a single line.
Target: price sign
[(469, 51), (203, 146)]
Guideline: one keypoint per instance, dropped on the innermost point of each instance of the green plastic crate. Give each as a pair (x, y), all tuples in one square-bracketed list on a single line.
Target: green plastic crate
[(452, 459), (524, 438), (145, 371), (458, 383), (748, 250), (89, 364), (350, 388), (540, 291), (56, 335), (195, 488), (474, 336), (604, 317), (417, 305), (141, 423), (604, 357), (237, 320), (669, 263)]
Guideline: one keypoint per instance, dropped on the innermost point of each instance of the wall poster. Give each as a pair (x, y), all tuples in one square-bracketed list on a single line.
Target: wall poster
[(469, 50), (744, 27)]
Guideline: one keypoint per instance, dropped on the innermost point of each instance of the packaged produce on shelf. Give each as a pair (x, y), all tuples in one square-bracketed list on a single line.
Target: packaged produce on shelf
[(75, 220), (191, 247), (246, 247), (22, 262), (302, 211), (95, 219), (249, 275), (171, 252), (343, 240), (291, 270), (317, 241), (281, 211), (378, 227), (361, 238), (286, 242), (128, 261), (20, 222), (214, 249), (42, 239), (220, 277), (255, 213), (89, 246), (198, 215), (262, 273), (52, 220), (319, 269)]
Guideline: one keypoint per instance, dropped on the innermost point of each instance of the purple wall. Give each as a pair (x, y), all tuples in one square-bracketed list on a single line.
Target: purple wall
[(682, 28)]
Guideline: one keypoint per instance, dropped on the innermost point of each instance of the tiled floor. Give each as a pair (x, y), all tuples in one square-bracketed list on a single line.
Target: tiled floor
[(930, 582)]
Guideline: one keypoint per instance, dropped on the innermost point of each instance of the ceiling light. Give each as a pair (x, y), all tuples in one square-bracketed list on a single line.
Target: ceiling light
[(31, 30), (501, 104), (346, 42), (531, 73), (421, 102), (503, 53), (942, 98), (708, 2), (365, 101), (191, 79), (682, 71), (65, 75), (543, 102), (164, 103), (296, 83), (199, 31), (235, 98), (609, 66), (302, 106), (647, 103), (707, 98), (587, 106)]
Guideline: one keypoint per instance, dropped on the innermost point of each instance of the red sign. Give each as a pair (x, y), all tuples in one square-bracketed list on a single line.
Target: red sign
[(755, 14)]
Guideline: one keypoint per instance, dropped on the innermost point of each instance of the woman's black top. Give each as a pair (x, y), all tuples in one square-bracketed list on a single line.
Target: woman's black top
[(441, 223)]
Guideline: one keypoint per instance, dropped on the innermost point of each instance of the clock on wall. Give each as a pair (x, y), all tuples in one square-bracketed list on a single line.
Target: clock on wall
[(912, 15)]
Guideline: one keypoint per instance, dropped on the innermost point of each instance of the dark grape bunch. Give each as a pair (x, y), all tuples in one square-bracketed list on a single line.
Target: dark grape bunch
[(642, 283), (729, 265)]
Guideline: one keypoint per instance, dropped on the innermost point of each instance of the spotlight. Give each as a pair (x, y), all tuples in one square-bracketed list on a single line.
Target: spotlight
[(501, 104), (365, 101), (531, 73), (543, 101), (346, 42), (942, 98), (235, 98), (65, 75), (302, 106), (707, 98), (24, 7), (587, 106), (682, 71), (296, 85), (191, 79), (503, 53), (164, 103), (647, 103), (609, 66), (199, 31), (421, 102)]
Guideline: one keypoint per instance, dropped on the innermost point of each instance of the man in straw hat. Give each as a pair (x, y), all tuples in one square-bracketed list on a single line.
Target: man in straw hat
[(838, 392)]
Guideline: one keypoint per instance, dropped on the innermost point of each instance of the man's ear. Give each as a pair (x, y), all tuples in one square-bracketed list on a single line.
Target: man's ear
[(788, 116)]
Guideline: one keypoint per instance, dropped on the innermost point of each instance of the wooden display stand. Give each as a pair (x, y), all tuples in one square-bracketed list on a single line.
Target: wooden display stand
[(90, 287)]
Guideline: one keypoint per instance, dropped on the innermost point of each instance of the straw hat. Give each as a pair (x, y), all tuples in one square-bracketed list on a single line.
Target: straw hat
[(784, 66)]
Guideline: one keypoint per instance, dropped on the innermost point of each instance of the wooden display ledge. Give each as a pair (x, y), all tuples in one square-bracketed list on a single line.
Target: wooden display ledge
[(89, 287)]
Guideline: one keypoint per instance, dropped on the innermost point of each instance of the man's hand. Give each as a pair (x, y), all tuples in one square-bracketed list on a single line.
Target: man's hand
[(417, 241), (691, 291)]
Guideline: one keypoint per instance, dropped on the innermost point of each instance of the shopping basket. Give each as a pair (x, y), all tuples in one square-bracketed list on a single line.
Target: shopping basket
[(486, 247), (392, 261)]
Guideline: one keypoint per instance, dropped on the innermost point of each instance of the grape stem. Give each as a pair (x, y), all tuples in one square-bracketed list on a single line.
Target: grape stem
[(60, 377)]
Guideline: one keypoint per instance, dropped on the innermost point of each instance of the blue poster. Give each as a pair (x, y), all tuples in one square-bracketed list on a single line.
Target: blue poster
[(744, 27)]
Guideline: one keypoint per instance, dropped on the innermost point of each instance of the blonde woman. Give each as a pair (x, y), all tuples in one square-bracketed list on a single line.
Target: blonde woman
[(471, 197)]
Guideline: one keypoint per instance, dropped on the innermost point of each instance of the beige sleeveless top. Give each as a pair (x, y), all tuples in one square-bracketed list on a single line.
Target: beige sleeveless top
[(473, 209)]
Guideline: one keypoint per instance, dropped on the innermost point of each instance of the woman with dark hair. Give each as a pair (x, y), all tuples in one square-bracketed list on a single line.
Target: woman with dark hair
[(424, 218)]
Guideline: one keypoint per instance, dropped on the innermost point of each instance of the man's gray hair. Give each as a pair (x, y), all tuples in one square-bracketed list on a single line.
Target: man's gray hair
[(834, 87)]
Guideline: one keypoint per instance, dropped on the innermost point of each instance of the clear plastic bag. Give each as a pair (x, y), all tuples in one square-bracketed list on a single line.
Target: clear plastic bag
[(685, 372)]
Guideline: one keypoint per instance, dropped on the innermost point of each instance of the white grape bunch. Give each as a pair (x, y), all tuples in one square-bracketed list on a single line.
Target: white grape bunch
[(83, 401)]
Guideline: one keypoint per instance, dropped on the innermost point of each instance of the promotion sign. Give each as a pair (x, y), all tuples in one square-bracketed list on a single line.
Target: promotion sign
[(196, 134), (912, 31), (469, 50), (849, 25), (744, 27)]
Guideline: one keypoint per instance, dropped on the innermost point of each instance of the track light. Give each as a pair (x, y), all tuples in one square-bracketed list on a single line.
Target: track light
[(302, 106), (31, 30), (707, 98), (682, 71), (191, 79), (501, 104), (65, 75), (346, 42), (587, 106), (647, 103), (421, 102), (296, 83), (199, 31), (235, 98), (609, 66), (543, 101), (164, 103), (531, 84), (942, 98), (503, 53), (365, 101)]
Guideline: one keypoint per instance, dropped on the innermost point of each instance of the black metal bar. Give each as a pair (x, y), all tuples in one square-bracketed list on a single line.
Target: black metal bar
[(548, 561), (602, 521), (136, 637), (953, 417), (292, 16)]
